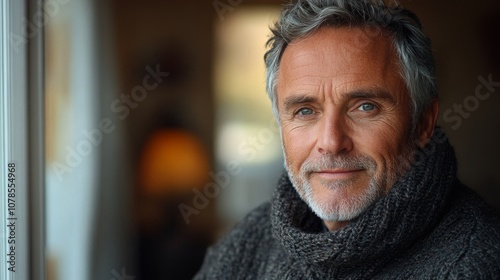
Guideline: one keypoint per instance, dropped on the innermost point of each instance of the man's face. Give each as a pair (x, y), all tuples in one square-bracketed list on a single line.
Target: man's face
[(345, 119)]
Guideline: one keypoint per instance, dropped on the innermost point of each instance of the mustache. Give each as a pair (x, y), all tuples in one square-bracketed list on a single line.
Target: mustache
[(327, 162)]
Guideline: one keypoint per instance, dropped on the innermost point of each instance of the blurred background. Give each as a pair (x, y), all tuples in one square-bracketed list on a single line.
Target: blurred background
[(160, 135)]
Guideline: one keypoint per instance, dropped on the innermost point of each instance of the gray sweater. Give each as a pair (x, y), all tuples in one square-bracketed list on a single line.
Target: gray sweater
[(429, 226)]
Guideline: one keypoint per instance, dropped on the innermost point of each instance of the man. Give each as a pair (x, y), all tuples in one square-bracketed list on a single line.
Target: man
[(370, 190)]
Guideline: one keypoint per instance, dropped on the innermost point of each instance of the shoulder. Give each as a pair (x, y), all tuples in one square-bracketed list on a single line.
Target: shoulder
[(253, 228), (465, 244), (472, 231), (241, 248), (474, 215)]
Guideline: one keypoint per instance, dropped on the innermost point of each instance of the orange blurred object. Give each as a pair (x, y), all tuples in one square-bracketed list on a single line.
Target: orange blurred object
[(173, 161)]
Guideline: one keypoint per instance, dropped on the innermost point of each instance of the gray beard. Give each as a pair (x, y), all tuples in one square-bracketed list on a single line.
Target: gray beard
[(349, 208)]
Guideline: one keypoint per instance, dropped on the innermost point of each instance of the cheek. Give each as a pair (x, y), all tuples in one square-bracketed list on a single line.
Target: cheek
[(382, 140), (297, 145)]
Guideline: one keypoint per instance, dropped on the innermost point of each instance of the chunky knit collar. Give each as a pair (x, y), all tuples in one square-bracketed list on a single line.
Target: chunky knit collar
[(392, 224)]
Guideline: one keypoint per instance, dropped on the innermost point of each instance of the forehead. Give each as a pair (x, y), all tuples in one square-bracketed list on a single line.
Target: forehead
[(341, 58)]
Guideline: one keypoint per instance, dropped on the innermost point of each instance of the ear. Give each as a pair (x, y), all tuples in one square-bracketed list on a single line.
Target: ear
[(426, 124)]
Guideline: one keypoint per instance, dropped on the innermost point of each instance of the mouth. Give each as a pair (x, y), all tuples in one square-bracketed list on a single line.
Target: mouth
[(337, 174)]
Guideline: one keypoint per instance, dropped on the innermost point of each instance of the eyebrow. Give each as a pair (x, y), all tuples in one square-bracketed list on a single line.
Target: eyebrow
[(294, 100), (370, 93)]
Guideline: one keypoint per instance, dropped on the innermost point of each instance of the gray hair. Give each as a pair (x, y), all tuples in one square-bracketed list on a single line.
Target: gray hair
[(412, 45)]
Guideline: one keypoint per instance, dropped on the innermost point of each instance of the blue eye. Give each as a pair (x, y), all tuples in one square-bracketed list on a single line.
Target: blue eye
[(366, 107), (305, 112)]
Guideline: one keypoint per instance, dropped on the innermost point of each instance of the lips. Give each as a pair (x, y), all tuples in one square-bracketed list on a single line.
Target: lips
[(337, 173)]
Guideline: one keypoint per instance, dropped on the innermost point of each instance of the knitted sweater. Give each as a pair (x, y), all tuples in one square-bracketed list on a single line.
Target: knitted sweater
[(429, 226)]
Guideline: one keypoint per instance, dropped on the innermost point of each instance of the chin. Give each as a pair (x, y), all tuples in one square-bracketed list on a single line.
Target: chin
[(338, 204)]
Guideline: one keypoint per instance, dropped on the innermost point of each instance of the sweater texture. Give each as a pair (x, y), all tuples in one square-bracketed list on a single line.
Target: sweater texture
[(429, 226)]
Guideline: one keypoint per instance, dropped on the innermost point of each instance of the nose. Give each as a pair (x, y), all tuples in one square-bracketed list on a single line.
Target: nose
[(334, 135)]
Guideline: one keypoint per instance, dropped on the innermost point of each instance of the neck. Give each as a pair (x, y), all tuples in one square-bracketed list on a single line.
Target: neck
[(335, 225)]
